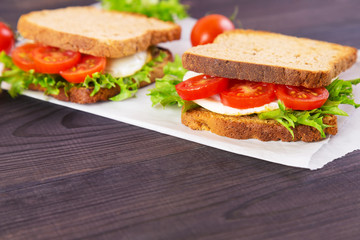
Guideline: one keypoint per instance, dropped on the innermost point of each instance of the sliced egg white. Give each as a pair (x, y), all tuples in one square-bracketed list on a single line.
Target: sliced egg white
[(126, 66), (214, 104)]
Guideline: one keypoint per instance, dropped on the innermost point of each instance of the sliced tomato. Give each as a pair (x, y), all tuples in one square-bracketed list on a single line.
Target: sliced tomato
[(244, 94), (86, 67), (53, 60), (22, 56), (201, 86), (301, 98)]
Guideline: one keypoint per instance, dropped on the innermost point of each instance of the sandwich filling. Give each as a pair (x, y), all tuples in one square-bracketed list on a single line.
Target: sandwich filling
[(53, 69), (213, 103), (288, 105)]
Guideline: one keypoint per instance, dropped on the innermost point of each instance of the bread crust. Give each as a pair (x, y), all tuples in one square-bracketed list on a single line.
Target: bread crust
[(207, 59), (248, 127), (81, 95), (106, 38)]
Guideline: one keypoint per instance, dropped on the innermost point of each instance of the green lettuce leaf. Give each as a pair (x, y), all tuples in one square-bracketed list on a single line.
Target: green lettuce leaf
[(340, 92), (188, 105), (164, 92), (20, 80), (290, 118), (166, 10)]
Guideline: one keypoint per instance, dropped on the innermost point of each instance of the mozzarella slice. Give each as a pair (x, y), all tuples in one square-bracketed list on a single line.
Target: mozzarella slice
[(190, 74), (214, 104), (126, 66)]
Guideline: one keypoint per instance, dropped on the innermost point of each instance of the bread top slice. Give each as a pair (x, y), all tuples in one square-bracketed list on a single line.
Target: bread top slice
[(95, 31), (270, 57)]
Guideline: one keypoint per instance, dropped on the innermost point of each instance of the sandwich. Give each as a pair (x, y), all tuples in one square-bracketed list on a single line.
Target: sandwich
[(267, 86), (86, 55)]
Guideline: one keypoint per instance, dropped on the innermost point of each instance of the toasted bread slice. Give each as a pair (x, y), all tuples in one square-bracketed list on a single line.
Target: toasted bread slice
[(82, 95), (96, 32), (250, 126), (270, 57)]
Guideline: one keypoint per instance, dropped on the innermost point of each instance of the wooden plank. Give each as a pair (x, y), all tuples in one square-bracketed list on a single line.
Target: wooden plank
[(66, 174)]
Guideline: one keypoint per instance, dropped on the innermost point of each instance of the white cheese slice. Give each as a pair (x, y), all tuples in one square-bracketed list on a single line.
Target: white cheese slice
[(214, 104), (126, 66)]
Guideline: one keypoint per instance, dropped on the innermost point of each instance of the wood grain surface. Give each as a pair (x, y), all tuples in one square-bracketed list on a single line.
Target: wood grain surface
[(66, 174)]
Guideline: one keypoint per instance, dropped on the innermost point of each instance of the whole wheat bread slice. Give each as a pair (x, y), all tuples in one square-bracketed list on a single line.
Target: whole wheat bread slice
[(247, 127), (270, 57), (96, 32), (81, 95)]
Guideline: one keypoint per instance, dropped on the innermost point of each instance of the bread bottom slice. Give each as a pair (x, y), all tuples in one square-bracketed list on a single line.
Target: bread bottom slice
[(247, 127), (82, 95)]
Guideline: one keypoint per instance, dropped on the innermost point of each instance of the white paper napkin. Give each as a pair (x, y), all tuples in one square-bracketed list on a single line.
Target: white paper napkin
[(138, 111)]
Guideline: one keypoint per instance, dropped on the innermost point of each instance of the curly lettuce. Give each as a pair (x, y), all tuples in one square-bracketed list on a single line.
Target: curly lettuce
[(291, 118), (340, 92), (164, 92), (166, 10), (20, 80)]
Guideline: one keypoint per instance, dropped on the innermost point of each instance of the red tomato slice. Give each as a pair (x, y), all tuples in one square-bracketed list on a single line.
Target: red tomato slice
[(86, 67), (301, 98), (201, 86), (244, 94), (206, 29), (22, 56), (53, 60)]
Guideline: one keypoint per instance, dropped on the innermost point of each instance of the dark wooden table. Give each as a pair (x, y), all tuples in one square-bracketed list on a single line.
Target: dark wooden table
[(66, 174)]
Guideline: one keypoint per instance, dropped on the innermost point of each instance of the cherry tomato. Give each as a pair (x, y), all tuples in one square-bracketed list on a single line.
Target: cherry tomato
[(7, 39), (207, 28), (301, 98), (53, 60), (244, 94), (86, 67), (22, 56), (201, 86)]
